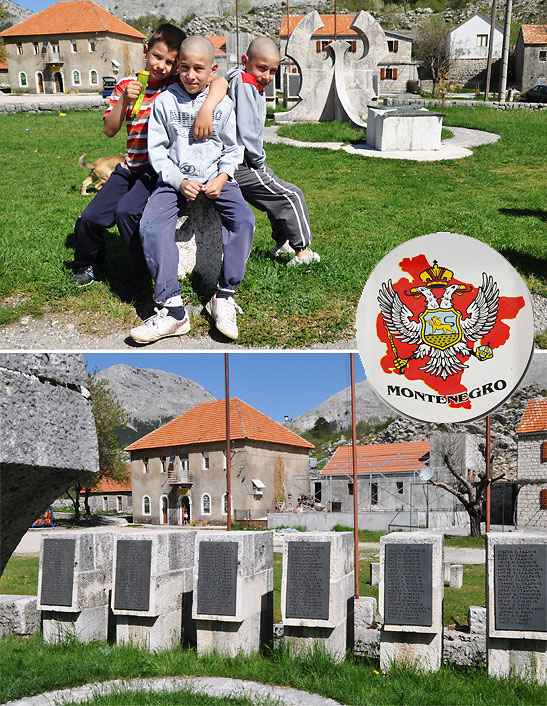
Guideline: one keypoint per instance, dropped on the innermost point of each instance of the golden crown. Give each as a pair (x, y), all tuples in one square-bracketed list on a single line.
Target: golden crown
[(436, 276)]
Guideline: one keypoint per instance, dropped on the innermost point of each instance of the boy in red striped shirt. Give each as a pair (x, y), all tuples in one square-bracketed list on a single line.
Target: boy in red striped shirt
[(122, 199)]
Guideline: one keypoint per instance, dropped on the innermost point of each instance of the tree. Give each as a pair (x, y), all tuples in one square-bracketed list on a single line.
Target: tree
[(431, 47), (109, 415)]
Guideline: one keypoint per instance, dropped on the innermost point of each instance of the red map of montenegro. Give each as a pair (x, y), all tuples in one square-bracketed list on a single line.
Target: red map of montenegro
[(436, 327)]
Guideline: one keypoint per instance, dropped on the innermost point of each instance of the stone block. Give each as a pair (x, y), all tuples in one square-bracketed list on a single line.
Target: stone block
[(85, 625), (456, 576), (403, 129), (233, 592), (365, 609), (516, 602), (446, 565), (18, 615), (411, 599), (374, 573), (317, 591), (199, 241), (476, 619)]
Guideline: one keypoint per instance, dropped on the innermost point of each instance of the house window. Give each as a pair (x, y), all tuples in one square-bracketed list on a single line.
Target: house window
[(119, 503), (35, 47), (258, 487), (543, 55), (544, 452), (163, 464), (105, 502), (205, 460), (543, 499), (400, 487), (23, 79), (184, 462), (73, 46), (388, 74), (19, 49), (93, 78), (76, 79), (164, 510), (393, 46), (322, 44), (205, 504), (350, 488), (482, 40), (224, 464), (55, 47), (146, 505), (352, 46), (225, 504), (374, 494), (91, 45), (145, 465)]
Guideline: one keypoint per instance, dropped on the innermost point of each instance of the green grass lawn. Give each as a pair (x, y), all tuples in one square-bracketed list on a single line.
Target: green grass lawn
[(20, 576), (360, 209)]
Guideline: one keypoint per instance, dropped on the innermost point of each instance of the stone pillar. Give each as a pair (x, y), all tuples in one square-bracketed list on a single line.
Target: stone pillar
[(152, 580), (49, 440), (233, 592), (411, 600), (374, 573), (317, 591), (516, 604), (74, 585), (446, 565), (456, 576)]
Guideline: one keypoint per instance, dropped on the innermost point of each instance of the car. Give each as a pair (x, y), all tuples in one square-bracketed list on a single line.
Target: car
[(109, 82), (537, 94)]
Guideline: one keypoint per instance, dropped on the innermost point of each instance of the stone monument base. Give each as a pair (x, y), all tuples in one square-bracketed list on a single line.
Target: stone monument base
[(85, 625), (332, 640), (419, 649), (227, 638), (394, 129), (523, 658), (154, 633)]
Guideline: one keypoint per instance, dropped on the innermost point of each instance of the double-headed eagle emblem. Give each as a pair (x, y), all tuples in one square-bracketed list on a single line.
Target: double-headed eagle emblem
[(442, 333)]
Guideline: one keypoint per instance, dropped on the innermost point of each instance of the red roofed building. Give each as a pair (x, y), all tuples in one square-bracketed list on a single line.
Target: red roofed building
[(179, 470), (532, 464), (70, 46), (531, 56), (112, 495)]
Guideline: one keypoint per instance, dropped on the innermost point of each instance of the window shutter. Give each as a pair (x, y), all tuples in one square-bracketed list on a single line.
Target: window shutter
[(382, 74), (543, 499), (394, 73), (354, 45), (318, 46), (544, 452), (396, 46)]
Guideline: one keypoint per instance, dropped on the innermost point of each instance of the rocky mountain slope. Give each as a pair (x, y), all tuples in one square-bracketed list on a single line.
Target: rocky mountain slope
[(14, 13)]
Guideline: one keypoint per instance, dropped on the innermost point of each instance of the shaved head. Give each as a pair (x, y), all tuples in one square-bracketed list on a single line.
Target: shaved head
[(263, 46), (198, 45)]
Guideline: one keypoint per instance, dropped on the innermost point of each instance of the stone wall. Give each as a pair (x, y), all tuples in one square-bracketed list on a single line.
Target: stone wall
[(531, 467), (49, 439)]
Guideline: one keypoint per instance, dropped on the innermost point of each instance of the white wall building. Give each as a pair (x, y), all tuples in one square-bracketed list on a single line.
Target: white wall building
[(468, 50)]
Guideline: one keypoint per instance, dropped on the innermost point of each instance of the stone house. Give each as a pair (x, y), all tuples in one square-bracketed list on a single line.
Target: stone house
[(394, 69), (112, 495), (69, 47), (531, 57), (532, 465), (179, 470), (467, 48)]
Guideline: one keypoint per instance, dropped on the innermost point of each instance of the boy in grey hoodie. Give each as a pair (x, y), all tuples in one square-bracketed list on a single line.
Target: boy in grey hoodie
[(187, 167), (283, 202)]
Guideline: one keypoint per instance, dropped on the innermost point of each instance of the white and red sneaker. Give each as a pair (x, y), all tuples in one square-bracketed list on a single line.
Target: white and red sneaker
[(224, 314), (160, 325)]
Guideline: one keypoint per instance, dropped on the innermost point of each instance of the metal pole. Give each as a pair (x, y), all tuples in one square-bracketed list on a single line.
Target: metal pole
[(237, 37), (488, 437), (505, 51), (288, 35), (228, 479), (335, 19), (490, 47), (354, 465)]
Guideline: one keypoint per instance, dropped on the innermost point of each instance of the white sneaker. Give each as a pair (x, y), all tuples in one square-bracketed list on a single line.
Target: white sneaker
[(223, 311), (160, 325), (278, 250), (310, 257)]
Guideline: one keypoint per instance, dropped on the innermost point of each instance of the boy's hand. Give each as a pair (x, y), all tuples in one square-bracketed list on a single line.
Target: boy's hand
[(190, 189), (203, 124), (213, 187), (132, 91)]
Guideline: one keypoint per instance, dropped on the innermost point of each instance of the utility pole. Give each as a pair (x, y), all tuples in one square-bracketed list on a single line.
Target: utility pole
[(505, 51), (490, 47), (354, 465), (228, 475), (488, 473)]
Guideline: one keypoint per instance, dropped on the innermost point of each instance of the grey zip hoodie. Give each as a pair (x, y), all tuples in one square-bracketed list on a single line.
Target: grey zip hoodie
[(173, 152), (250, 107)]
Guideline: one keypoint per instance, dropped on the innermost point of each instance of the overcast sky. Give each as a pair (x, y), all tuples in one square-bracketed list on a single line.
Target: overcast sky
[(277, 384)]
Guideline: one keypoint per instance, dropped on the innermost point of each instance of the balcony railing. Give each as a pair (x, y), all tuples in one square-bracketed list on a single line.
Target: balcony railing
[(180, 477), (51, 57)]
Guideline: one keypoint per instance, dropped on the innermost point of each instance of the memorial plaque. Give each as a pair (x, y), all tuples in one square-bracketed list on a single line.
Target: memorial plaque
[(520, 587), (408, 584), (308, 580), (133, 563), (217, 578), (57, 572)]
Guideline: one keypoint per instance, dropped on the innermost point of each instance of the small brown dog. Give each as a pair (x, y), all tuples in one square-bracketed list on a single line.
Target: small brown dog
[(101, 169)]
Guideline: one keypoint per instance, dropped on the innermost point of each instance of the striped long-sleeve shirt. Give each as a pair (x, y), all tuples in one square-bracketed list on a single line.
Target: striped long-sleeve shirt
[(137, 127)]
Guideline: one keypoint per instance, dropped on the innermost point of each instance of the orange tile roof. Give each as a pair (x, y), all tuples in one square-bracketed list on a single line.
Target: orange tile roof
[(207, 422), (380, 458), (218, 43), (107, 485), (534, 34), (71, 17), (343, 23), (534, 417), (3, 65)]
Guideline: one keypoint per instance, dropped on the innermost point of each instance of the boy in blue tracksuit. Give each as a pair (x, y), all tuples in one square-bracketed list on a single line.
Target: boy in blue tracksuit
[(187, 167), (283, 202)]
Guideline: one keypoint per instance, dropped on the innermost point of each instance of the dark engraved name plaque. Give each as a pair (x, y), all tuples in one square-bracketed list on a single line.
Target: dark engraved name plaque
[(57, 572), (408, 584), (217, 578), (133, 562), (520, 587), (308, 580)]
